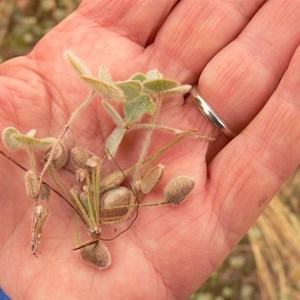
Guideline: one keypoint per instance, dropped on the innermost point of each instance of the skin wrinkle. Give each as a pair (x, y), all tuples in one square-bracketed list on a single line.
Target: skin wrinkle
[(225, 220), (256, 152), (15, 95), (167, 282), (277, 65), (30, 286), (216, 230), (274, 121), (267, 165), (151, 264), (60, 105), (159, 24), (158, 217), (46, 270), (161, 278), (13, 106), (121, 30), (14, 229), (228, 75), (239, 7), (216, 195)]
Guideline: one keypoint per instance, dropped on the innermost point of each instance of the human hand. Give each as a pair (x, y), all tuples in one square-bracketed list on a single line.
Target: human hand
[(246, 53)]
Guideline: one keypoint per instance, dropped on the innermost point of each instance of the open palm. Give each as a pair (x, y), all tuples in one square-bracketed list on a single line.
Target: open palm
[(249, 74)]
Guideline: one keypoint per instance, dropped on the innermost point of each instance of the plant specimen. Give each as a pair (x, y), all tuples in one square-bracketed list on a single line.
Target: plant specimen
[(99, 198)]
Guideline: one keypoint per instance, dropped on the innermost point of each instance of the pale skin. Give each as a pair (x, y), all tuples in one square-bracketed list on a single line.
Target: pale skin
[(248, 55)]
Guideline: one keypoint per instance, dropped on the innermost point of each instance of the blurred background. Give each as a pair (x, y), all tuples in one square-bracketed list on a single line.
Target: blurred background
[(266, 263)]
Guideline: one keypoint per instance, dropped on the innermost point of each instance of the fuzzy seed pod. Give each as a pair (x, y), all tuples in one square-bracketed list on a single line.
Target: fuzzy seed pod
[(96, 254), (60, 156), (83, 197), (93, 161), (75, 190), (112, 181), (80, 157), (80, 175), (114, 205), (32, 184), (178, 188), (152, 179)]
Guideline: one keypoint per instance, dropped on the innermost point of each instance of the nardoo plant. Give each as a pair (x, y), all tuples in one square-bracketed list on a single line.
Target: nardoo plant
[(97, 197)]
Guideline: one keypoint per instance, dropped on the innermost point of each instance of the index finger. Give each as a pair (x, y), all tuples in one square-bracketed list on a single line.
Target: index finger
[(138, 20)]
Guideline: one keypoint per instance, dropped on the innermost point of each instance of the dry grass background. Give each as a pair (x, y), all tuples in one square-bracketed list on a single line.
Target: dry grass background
[(266, 263)]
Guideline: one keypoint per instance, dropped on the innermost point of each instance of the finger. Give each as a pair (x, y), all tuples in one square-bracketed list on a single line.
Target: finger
[(138, 20), (250, 169), (240, 78), (195, 31)]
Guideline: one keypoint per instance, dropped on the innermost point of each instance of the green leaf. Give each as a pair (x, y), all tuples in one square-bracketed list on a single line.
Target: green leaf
[(14, 140), (137, 107), (139, 76), (113, 113), (178, 90), (153, 74), (131, 88), (105, 89), (31, 133), (77, 64), (104, 74), (159, 85), (114, 140)]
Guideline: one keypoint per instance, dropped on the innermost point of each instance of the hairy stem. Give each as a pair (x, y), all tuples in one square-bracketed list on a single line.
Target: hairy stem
[(147, 140), (154, 126), (71, 120), (167, 128)]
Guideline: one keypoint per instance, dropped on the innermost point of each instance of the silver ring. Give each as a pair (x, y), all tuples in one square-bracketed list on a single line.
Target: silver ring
[(211, 115)]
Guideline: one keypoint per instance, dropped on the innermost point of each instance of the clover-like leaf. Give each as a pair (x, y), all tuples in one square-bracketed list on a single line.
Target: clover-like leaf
[(131, 88), (14, 140), (137, 107), (139, 76), (159, 85), (104, 74), (113, 113), (78, 65), (178, 90), (153, 74), (105, 89), (114, 140), (31, 133)]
